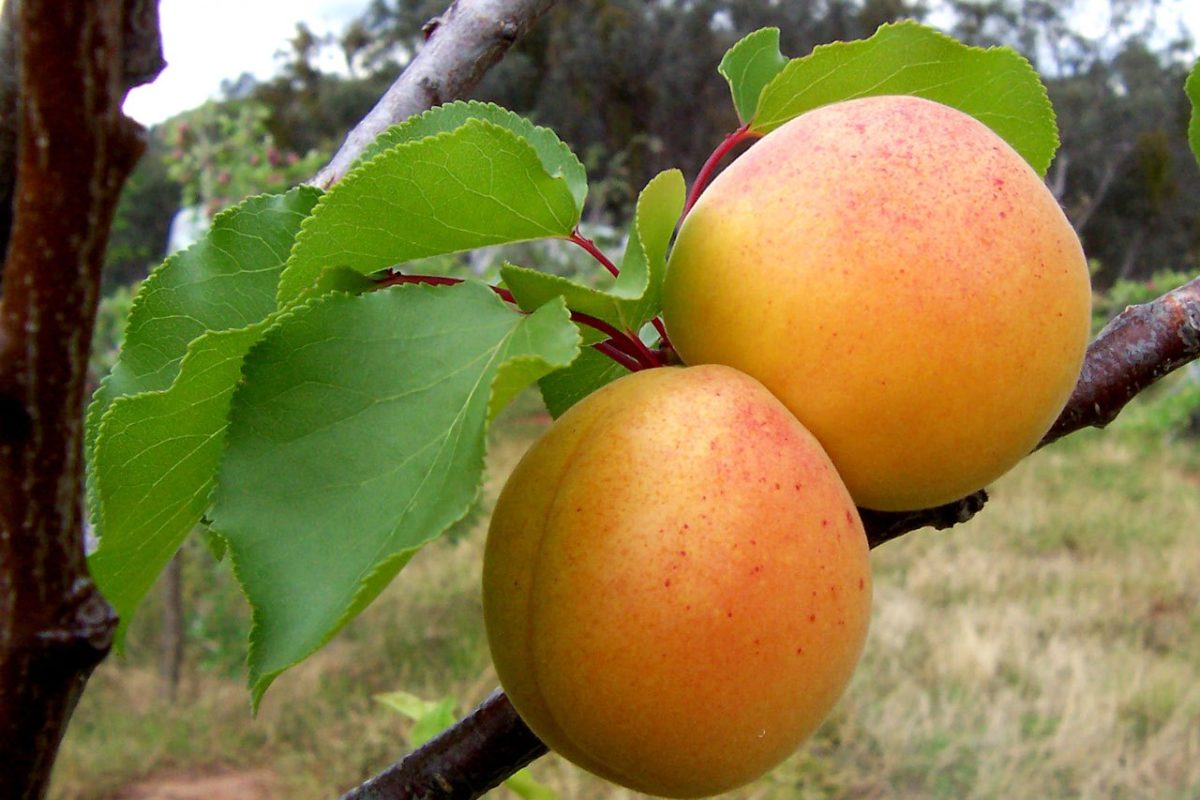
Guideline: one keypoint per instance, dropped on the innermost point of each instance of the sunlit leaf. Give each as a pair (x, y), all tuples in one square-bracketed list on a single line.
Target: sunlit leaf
[(477, 185), (556, 157), (357, 436), (996, 85), (750, 65)]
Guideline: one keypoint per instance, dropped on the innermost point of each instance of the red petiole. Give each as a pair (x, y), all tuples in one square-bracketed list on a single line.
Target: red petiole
[(731, 141), (627, 349), (587, 244)]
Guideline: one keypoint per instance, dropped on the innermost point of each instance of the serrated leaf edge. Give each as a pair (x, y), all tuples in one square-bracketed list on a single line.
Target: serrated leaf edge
[(1043, 95), (358, 172), (92, 422), (364, 592), (723, 67), (522, 121)]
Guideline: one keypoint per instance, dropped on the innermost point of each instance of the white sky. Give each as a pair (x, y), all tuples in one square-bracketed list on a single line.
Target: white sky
[(208, 41)]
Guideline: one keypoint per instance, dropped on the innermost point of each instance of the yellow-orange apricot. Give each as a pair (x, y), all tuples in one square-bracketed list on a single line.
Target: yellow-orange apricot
[(676, 584), (902, 280)]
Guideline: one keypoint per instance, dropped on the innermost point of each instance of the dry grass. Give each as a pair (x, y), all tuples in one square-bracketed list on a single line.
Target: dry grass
[(1049, 649)]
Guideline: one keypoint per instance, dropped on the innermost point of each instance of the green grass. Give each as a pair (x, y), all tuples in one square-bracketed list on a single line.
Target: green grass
[(1050, 648)]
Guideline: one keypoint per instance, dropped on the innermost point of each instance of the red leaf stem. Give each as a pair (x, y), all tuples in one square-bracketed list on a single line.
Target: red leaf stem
[(731, 141), (634, 355), (594, 251)]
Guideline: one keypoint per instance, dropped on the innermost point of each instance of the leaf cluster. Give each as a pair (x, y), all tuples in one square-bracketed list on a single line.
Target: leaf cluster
[(286, 383)]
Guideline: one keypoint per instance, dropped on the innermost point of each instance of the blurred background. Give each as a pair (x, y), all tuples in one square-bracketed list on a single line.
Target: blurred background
[(1049, 648)]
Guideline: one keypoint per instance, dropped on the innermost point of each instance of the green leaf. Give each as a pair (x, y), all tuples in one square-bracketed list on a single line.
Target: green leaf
[(225, 281), (556, 157), (478, 185), (156, 425), (635, 296), (658, 209), (750, 65), (429, 718), (996, 86), (358, 435), (154, 464), (566, 387), (1192, 87)]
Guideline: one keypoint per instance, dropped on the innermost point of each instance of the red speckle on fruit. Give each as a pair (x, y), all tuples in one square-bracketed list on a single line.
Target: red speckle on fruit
[(849, 518), (667, 583), (824, 523), (812, 617), (729, 614), (860, 584)]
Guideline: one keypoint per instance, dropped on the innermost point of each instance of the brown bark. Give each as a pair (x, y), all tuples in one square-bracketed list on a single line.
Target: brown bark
[(74, 151), (464, 761), (461, 45)]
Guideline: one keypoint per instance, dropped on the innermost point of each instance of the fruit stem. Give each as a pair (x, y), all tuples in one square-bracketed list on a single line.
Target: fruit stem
[(731, 141), (627, 349), (595, 252), (628, 362), (627, 342)]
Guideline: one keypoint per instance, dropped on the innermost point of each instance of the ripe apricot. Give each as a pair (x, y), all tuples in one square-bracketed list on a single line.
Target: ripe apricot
[(902, 280), (676, 584)]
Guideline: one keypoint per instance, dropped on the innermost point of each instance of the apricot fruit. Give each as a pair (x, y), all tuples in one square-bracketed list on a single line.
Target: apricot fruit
[(902, 280), (676, 584)]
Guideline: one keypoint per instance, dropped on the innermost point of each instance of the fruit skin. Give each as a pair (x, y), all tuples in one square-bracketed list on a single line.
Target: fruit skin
[(676, 584), (902, 280)]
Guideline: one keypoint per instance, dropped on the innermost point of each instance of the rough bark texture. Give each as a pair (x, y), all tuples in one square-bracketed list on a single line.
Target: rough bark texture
[(465, 761), (74, 150), (461, 45), (1141, 344)]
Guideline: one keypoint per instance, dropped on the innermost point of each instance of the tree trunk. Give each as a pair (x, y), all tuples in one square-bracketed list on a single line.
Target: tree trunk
[(74, 151)]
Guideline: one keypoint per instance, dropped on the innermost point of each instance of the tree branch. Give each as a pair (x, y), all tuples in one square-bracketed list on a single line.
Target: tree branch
[(464, 761), (461, 45), (1137, 348), (74, 150)]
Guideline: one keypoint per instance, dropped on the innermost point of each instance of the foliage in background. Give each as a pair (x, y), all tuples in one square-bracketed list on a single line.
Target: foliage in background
[(632, 110), (223, 152)]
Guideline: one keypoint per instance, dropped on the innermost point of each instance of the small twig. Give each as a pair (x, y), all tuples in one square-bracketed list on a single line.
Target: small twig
[(467, 39)]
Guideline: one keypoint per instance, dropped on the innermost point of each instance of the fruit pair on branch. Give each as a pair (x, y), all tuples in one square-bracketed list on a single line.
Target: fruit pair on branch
[(880, 305)]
